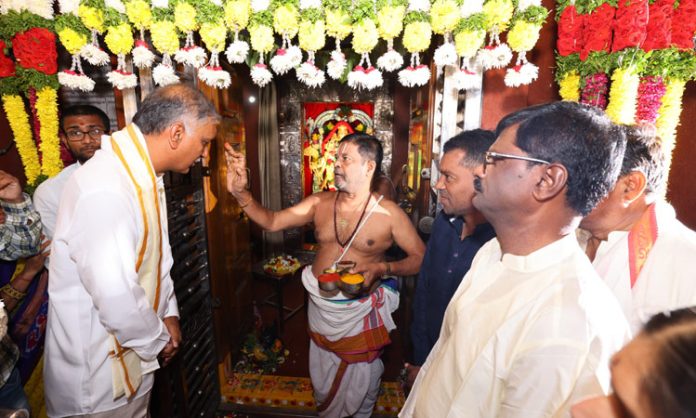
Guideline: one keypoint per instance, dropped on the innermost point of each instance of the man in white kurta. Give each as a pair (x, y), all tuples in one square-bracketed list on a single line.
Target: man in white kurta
[(641, 250), (94, 291), (112, 308), (531, 328), (523, 336)]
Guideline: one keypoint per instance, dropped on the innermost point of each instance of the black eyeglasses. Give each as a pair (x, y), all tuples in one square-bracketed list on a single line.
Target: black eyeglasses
[(78, 135), (492, 157)]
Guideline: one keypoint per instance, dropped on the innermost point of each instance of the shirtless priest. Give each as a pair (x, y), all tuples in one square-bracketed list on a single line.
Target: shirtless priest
[(346, 336)]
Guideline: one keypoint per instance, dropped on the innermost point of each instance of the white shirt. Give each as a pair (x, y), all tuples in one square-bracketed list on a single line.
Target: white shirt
[(94, 290), (668, 278), (523, 336), (47, 198)]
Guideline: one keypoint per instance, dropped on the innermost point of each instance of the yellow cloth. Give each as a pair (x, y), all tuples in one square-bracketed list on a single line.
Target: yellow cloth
[(127, 372)]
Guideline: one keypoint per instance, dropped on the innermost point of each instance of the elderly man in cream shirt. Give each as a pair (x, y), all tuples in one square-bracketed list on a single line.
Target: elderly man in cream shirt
[(531, 328)]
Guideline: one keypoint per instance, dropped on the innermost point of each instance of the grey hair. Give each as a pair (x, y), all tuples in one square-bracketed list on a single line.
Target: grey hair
[(170, 104)]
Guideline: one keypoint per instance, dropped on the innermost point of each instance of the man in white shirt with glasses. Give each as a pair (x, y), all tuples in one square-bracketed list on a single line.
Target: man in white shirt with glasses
[(532, 327)]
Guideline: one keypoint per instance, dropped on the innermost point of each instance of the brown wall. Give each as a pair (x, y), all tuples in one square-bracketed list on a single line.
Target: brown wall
[(682, 180)]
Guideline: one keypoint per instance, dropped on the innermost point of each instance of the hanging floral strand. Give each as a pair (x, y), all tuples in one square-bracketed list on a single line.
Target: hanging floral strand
[(416, 39), (214, 34), (73, 35), (390, 24), (237, 14), (91, 12), (498, 16), (596, 61), (339, 25), (469, 37), (444, 17), (365, 38), (140, 16), (185, 20), (286, 18), (119, 40), (523, 35), (261, 33), (165, 39), (312, 38)]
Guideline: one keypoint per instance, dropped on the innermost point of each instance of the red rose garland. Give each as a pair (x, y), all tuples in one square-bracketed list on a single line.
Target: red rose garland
[(596, 30), (659, 30), (36, 49), (595, 91), (630, 24), (7, 67), (684, 25), (650, 92), (570, 26)]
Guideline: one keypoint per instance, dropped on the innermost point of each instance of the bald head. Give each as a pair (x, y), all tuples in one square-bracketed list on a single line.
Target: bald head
[(170, 104)]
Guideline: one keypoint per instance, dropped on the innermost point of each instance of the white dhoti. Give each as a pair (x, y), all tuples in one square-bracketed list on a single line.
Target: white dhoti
[(347, 338)]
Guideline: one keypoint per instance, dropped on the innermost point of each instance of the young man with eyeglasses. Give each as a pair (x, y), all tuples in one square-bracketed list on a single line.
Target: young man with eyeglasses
[(81, 130), (532, 327)]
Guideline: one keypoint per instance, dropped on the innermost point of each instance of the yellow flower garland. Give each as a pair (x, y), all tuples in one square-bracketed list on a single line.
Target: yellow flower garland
[(623, 96), (444, 16), (19, 122), (72, 41), (164, 37), (498, 14), (139, 13), (119, 38), (417, 36), (391, 21), (523, 36), (185, 17), (669, 113), (237, 14), (286, 20), (261, 38), (312, 35), (338, 23), (47, 112), (570, 87), (468, 42), (91, 17), (214, 35), (365, 36)]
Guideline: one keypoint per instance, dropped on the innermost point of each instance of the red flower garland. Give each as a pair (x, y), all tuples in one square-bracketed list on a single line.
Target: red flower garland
[(659, 29), (650, 92), (570, 26), (630, 24), (36, 49), (596, 31), (684, 24), (595, 91), (7, 66)]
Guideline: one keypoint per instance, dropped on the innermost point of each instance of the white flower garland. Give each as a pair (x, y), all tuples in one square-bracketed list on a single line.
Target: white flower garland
[(164, 74), (116, 4), (494, 56), (390, 60), (93, 53), (416, 74), (309, 74), (260, 74), (213, 74), (237, 51), (161, 4), (259, 5), (523, 73), (75, 78), (418, 6), (120, 77), (364, 75), (446, 54), (337, 65), (286, 58), (143, 57), (469, 76), (68, 6), (191, 54)]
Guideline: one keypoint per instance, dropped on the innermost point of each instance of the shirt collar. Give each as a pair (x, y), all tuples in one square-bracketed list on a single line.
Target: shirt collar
[(543, 257)]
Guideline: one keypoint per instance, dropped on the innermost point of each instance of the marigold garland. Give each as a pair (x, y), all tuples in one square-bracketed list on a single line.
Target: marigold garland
[(444, 16), (417, 36), (139, 14), (365, 36), (214, 35), (523, 36), (390, 20), (19, 122), (623, 95), (312, 36), (669, 113), (286, 20), (261, 38), (92, 18), (47, 111), (119, 38), (164, 36), (237, 14), (185, 17), (570, 87), (339, 23)]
